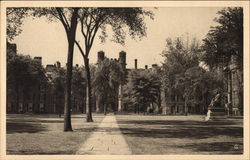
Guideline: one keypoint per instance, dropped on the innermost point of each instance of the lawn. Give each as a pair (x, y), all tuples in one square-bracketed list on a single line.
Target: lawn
[(43, 134), (181, 135)]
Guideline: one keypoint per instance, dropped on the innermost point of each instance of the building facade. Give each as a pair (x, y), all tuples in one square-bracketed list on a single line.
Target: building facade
[(43, 98), (234, 87)]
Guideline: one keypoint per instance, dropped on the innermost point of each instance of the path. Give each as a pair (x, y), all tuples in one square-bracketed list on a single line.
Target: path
[(106, 140)]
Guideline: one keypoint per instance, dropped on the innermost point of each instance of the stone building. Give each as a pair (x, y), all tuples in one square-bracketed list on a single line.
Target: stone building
[(34, 100), (20, 100), (117, 101), (40, 97), (168, 104), (234, 87), (174, 103)]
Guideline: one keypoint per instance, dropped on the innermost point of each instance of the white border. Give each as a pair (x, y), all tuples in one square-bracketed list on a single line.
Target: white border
[(244, 4)]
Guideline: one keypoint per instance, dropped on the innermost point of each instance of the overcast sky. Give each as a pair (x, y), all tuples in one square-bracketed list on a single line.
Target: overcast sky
[(40, 38)]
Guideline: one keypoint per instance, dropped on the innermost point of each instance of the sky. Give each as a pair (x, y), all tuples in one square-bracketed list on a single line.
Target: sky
[(48, 39)]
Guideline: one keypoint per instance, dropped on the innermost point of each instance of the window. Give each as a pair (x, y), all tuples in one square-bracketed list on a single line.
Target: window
[(30, 107), (42, 87), (42, 96), (9, 107), (20, 107), (41, 107)]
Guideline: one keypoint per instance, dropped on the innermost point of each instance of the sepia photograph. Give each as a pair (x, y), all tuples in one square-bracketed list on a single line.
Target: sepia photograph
[(167, 80)]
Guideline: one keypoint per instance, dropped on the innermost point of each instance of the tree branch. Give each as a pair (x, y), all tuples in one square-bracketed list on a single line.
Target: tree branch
[(59, 11), (82, 30), (80, 48), (93, 37), (65, 19), (55, 14), (88, 31)]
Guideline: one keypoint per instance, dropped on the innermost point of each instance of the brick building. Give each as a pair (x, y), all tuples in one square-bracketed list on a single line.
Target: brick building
[(42, 99), (117, 102)]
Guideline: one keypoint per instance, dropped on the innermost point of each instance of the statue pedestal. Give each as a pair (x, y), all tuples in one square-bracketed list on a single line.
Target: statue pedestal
[(216, 113)]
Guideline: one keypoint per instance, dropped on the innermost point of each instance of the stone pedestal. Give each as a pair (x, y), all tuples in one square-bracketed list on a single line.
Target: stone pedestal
[(216, 113)]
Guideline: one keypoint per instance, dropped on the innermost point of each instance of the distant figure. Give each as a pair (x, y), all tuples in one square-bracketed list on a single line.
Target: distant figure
[(208, 115)]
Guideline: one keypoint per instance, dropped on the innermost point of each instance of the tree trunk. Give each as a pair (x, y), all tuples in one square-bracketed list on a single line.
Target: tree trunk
[(144, 108), (186, 109), (88, 92), (163, 102), (106, 102), (138, 109), (17, 99), (67, 105), (71, 41), (97, 104), (105, 109)]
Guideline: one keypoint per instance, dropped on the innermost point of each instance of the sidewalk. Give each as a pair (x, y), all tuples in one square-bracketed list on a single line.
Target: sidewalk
[(107, 140)]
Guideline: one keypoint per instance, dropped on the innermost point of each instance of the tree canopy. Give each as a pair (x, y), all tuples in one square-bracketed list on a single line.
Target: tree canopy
[(94, 19), (91, 19), (225, 39), (22, 69), (106, 80), (142, 89), (183, 75), (14, 21)]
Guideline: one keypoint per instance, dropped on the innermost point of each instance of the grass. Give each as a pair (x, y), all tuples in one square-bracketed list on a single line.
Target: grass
[(43, 134), (181, 135)]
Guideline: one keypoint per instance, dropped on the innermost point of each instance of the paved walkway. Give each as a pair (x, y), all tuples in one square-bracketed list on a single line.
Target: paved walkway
[(107, 140)]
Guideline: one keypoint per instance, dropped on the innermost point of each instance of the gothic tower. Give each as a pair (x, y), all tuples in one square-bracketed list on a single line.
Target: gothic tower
[(122, 59)]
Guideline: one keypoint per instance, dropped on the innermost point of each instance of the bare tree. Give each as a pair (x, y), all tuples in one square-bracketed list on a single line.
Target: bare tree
[(94, 19)]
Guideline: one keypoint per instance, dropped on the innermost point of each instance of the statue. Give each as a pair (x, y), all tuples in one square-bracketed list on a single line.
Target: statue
[(215, 108), (216, 101)]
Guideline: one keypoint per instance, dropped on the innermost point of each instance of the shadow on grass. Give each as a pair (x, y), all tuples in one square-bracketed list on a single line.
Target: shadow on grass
[(179, 129), (176, 132), (28, 125), (23, 127), (35, 121), (89, 129), (177, 122), (191, 130), (17, 124)]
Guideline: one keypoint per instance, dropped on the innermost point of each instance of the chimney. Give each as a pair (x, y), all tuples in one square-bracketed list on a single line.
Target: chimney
[(135, 63), (58, 64), (154, 65), (146, 66), (39, 59)]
